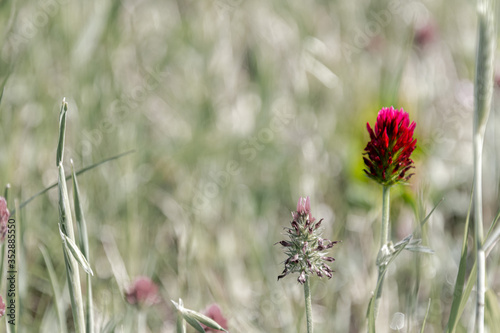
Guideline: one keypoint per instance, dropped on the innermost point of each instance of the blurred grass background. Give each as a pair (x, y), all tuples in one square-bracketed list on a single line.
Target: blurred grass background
[(235, 109)]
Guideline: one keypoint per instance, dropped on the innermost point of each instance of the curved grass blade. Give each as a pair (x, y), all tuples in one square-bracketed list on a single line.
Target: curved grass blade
[(424, 221), (79, 172)]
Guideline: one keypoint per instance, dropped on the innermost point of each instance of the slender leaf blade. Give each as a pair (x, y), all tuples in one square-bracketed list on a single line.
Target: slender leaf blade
[(458, 294)]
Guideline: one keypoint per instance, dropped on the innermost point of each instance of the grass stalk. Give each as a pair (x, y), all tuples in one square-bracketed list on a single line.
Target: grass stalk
[(84, 245), (483, 90), (66, 225), (307, 297)]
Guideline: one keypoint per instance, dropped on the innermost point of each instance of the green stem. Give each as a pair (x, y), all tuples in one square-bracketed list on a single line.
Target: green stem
[(307, 295), (384, 239), (483, 90), (384, 236), (479, 234)]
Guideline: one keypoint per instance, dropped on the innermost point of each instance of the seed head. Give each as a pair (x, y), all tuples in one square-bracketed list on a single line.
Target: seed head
[(306, 248)]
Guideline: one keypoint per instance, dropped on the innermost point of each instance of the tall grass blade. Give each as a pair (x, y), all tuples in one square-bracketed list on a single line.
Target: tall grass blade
[(66, 229), (424, 221), (56, 290), (459, 282), (84, 244)]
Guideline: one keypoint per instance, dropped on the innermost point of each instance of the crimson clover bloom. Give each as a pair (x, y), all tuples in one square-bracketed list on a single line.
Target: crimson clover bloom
[(391, 145), (306, 249)]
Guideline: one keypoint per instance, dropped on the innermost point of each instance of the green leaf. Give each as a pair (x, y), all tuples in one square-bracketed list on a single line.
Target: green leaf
[(71, 247), (191, 321)]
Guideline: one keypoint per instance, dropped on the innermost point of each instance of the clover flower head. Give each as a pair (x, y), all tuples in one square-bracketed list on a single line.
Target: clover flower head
[(306, 249), (387, 155)]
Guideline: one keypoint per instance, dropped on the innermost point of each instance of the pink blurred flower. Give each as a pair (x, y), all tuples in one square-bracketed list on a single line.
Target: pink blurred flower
[(214, 312), (142, 292), (4, 218), (2, 307), (425, 35)]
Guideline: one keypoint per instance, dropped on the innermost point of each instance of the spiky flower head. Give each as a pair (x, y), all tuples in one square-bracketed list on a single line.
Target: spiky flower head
[(305, 249), (391, 145)]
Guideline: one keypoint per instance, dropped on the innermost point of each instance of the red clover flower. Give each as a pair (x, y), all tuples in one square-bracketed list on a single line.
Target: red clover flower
[(306, 249), (391, 145)]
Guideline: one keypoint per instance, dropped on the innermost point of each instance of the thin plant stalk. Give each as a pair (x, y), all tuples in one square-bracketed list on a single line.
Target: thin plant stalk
[(384, 239), (483, 90), (307, 296), (84, 244)]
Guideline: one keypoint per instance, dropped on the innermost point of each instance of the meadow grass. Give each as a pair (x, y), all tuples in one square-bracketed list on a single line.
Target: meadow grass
[(234, 109)]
